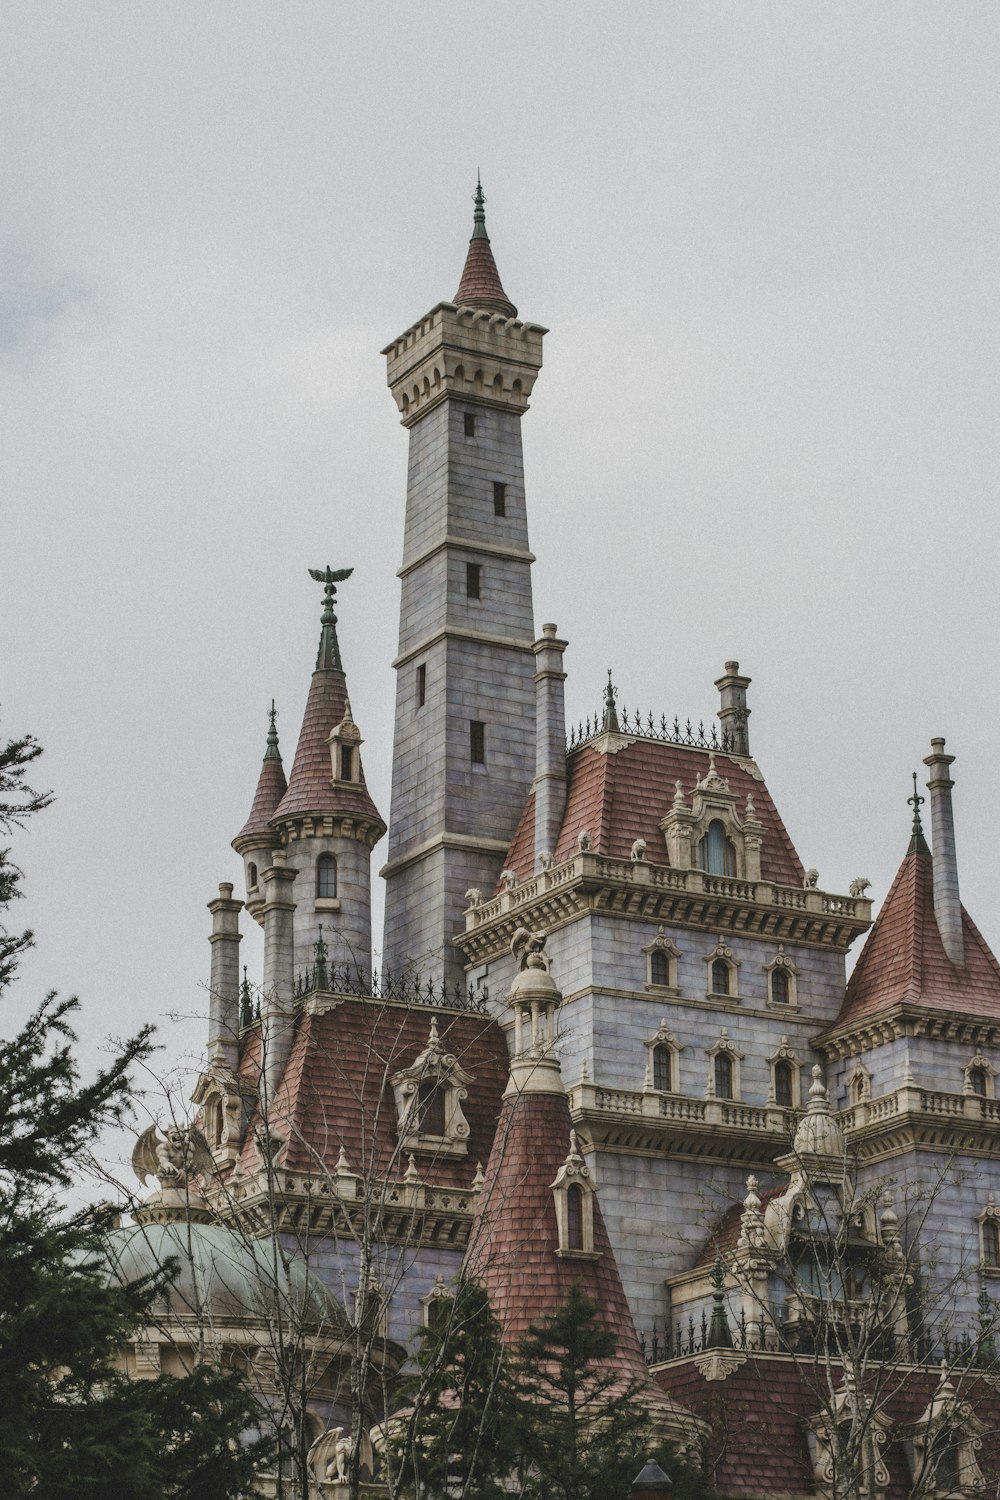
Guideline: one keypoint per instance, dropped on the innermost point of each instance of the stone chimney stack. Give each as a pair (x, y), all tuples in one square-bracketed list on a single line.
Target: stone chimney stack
[(733, 711), (947, 905), (224, 983), (278, 998), (550, 741)]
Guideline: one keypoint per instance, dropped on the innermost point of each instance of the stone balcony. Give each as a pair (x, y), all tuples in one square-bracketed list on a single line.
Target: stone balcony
[(648, 1122), (718, 903)]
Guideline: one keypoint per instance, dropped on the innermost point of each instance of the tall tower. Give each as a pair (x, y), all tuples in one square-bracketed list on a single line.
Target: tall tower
[(464, 745)]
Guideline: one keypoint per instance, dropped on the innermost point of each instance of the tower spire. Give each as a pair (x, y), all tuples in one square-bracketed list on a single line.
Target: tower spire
[(480, 285), (918, 844), (328, 656), (272, 752)]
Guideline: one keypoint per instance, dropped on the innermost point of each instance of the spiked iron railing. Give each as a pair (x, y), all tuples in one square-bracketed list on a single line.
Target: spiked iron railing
[(344, 979), (648, 728)]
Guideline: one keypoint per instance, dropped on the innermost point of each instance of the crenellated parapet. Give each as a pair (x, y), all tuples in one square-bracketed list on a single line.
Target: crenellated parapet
[(465, 352)]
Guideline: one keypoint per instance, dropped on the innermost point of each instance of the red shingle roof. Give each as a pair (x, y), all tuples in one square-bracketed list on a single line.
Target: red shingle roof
[(724, 1236), (620, 798), (337, 1092), (480, 285), (904, 962), (271, 787), (515, 1237), (311, 788)]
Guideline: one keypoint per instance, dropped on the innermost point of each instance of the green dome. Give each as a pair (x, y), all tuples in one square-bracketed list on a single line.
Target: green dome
[(221, 1276)]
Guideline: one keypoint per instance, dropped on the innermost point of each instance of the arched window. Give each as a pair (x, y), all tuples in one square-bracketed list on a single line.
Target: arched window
[(326, 876), (977, 1082), (251, 875), (783, 1079), (662, 1061), (431, 1107), (857, 1088), (716, 853), (218, 1122), (991, 1243), (659, 967), (779, 987), (721, 974), (574, 1217), (723, 1076)]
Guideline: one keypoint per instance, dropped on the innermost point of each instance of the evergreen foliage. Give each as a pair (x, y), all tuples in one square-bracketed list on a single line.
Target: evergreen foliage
[(584, 1433), (457, 1440), (71, 1424)]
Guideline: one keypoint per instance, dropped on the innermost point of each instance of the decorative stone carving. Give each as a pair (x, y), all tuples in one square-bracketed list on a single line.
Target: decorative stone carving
[(947, 1432), (527, 947), (583, 842), (508, 879), (330, 1456), (810, 880), (638, 850), (176, 1158), (865, 1444), (474, 896), (859, 885)]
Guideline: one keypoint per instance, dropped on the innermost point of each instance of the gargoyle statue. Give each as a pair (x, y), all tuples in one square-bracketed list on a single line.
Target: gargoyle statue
[(180, 1154), (527, 948)]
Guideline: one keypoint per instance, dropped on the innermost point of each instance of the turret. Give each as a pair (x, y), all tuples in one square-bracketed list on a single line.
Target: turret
[(224, 981), (947, 904), (257, 840), (733, 711), (550, 741), (326, 822)]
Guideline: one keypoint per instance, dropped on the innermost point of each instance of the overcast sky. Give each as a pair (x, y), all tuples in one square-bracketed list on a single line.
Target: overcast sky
[(764, 238)]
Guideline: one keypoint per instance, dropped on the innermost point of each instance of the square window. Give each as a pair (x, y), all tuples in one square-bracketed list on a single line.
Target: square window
[(470, 424), (499, 498), (473, 578), (421, 685), (477, 742)]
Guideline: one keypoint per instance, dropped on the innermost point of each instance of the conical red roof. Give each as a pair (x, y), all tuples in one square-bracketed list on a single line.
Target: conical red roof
[(480, 285), (904, 962), (512, 1249), (271, 787), (311, 788)]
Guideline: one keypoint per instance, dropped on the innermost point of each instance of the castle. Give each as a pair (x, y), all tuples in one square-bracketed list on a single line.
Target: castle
[(611, 1037)]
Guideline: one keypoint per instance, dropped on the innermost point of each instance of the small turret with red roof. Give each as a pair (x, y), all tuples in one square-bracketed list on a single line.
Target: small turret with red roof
[(480, 285)]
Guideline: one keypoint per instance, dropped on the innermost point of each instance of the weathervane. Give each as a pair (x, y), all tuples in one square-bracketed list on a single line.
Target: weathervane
[(329, 650), (916, 802)]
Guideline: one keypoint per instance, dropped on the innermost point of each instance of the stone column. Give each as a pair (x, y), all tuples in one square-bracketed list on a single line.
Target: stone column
[(278, 999), (733, 711), (947, 905), (224, 982), (550, 741)]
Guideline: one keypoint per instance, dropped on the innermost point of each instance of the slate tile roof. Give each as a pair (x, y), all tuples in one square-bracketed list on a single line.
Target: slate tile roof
[(271, 787), (723, 1238), (336, 1090), (622, 797), (904, 962), (311, 788), (480, 285)]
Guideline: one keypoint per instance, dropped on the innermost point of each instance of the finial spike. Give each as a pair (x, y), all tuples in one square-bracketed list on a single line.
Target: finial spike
[(610, 712), (918, 844), (479, 216), (272, 752), (328, 656)]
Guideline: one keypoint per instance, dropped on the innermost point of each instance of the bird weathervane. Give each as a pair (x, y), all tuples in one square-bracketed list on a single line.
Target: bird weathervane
[(329, 648)]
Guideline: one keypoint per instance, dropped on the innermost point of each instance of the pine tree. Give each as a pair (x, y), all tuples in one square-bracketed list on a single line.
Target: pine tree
[(584, 1434), (457, 1436), (71, 1423)]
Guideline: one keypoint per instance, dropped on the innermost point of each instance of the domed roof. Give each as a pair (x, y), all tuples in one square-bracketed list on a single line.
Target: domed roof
[(818, 1133), (221, 1276)]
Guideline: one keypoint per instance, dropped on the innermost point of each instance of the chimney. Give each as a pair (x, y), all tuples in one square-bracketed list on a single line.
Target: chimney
[(733, 711), (550, 741), (947, 905), (224, 983)]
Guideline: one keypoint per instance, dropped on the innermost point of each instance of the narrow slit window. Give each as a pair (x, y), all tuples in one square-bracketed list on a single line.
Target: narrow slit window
[(477, 742), (574, 1217), (499, 498), (473, 580), (326, 877), (470, 424), (252, 875), (723, 1076), (662, 1061), (783, 1084), (421, 685)]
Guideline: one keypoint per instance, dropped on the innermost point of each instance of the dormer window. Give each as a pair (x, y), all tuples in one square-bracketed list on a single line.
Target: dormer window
[(346, 763), (574, 1217), (326, 877), (716, 852), (573, 1195), (429, 1098), (431, 1108)]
